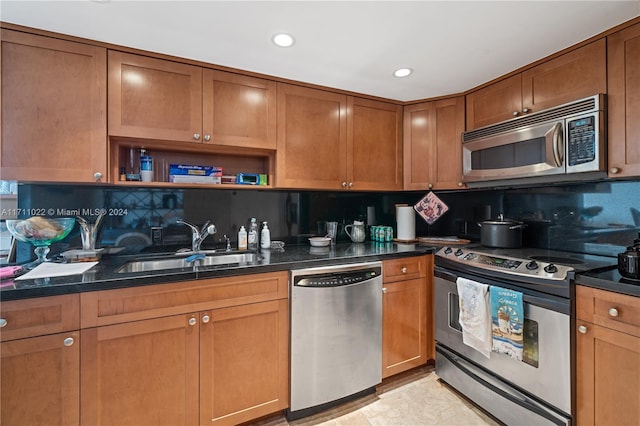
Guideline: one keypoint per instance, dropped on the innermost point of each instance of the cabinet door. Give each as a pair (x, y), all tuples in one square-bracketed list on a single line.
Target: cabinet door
[(154, 99), (374, 147), (574, 75), (624, 102), (608, 376), (404, 326), (53, 110), (497, 102), (433, 144), (238, 110), (244, 362), (312, 138), (40, 380), (141, 373)]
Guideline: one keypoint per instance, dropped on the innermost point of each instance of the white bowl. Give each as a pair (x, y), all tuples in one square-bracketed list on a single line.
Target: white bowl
[(319, 241)]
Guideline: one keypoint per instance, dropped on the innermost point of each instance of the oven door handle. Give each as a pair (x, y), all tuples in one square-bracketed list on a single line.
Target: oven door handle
[(520, 400)]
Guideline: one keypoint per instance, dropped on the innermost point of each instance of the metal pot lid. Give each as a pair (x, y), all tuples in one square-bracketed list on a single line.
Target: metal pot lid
[(502, 221)]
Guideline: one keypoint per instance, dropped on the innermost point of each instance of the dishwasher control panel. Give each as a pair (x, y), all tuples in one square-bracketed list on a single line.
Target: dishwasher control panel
[(336, 279)]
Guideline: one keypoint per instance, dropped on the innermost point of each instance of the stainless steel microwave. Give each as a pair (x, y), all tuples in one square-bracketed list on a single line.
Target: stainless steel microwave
[(564, 143)]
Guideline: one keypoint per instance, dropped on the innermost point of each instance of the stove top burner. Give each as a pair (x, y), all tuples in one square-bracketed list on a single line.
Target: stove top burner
[(557, 259)]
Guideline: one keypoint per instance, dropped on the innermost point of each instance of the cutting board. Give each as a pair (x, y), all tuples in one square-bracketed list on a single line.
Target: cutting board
[(443, 240)]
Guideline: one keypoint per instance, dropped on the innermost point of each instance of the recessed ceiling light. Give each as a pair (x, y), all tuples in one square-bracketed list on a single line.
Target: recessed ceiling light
[(402, 72), (283, 40)]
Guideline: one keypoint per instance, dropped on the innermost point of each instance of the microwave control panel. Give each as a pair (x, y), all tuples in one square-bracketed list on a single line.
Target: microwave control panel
[(581, 140)]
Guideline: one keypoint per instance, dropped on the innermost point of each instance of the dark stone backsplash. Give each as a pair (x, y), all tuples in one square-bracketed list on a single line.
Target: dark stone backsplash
[(596, 218)]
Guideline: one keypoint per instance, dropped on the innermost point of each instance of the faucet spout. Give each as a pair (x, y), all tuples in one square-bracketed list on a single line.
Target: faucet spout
[(198, 235)]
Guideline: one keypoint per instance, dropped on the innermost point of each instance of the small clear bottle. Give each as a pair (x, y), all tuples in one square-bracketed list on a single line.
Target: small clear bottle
[(253, 235), (242, 238)]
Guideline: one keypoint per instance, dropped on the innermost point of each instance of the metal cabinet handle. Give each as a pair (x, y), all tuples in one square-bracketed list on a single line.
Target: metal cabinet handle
[(525, 110), (97, 175), (613, 312), (207, 138), (344, 184), (460, 184), (403, 269), (350, 184), (205, 319), (196, 136), (192, 321), (68, 341), (384, 289), (582, 329), (3, 322), (615, 170), (515, 113), (430, 186)]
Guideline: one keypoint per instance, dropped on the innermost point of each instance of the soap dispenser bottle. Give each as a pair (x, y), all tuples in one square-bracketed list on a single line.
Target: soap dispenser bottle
[(242, 238), (265, 236)]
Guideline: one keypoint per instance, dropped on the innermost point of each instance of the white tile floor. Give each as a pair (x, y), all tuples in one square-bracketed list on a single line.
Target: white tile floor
[(415, 398)]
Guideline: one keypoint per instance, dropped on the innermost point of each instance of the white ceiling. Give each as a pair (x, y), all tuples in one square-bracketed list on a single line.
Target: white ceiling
[(452, 46)]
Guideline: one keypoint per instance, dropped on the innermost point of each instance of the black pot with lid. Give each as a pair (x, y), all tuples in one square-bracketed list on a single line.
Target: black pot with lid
[(629, 261), (501, 233)]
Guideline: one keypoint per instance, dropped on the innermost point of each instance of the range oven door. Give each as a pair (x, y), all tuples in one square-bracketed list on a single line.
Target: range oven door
[(538, 388)]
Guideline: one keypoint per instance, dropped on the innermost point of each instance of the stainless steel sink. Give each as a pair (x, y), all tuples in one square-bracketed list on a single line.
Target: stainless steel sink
[(175, 262)]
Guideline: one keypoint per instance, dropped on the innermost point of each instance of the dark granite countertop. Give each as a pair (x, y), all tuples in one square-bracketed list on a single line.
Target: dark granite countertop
[(609, 279), (104, 276)]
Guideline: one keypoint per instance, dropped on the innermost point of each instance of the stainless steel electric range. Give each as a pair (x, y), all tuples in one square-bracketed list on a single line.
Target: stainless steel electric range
[(538, 389)]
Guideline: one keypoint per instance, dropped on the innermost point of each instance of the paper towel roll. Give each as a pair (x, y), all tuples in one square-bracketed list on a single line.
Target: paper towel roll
[(406, 220)]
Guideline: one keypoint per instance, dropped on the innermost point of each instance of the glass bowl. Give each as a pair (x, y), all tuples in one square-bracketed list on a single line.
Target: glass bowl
[(41, 232)]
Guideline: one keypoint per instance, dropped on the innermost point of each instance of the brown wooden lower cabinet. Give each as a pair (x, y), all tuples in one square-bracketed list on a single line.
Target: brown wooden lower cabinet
[(407, 323), (40, 380), (607, 358), (608, 377), (244, 363), (223, 366), (141, 373)]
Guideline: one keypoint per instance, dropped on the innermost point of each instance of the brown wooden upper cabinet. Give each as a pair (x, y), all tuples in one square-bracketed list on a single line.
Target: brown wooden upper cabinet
[(158, 99), (432, 144), (579, 73), (330, 141), (624, 102), (54, 124)]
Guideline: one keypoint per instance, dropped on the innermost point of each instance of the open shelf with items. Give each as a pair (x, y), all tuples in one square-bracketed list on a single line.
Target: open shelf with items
[(232, 160)]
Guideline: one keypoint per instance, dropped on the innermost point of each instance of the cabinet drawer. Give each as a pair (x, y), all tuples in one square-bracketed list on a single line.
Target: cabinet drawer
[(609, 309), (406, 268), (132, 304), (39, 316)]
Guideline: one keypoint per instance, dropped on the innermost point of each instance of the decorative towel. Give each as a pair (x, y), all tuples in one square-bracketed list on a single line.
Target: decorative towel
[(507, 322), (475, 315)]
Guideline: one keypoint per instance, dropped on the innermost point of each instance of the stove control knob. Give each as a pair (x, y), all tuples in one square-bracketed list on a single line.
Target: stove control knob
[(532, 266), (448, 250), (551, 269), (459, 252)]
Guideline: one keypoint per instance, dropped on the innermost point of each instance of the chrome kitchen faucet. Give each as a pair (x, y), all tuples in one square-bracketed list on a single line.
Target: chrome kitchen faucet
[(198, 235)]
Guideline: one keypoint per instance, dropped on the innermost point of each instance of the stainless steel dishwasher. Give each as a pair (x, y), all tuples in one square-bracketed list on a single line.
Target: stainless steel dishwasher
[(336, 335)]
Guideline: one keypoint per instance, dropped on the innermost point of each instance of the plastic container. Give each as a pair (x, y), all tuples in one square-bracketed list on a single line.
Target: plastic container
[(242, 238), (146, 166), (265, 237)]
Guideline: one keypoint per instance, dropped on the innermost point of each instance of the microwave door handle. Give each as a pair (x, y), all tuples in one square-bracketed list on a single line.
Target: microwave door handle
[(557, 144)]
